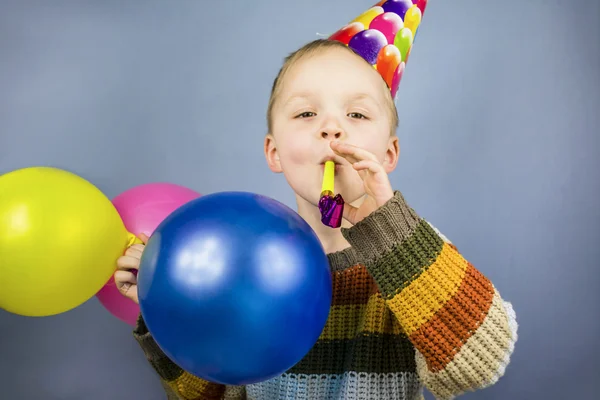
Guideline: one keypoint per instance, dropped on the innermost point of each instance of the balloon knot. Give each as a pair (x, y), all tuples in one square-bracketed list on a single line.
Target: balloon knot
[(132, 239)]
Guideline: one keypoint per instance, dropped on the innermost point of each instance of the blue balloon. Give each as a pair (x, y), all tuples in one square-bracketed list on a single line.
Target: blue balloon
[(235, 287)]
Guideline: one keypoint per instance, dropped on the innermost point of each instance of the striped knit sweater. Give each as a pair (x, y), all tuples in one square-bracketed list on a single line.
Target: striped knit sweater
[(408, 311)]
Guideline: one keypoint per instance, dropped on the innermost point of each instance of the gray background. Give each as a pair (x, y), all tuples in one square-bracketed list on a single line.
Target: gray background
[(499, 112)]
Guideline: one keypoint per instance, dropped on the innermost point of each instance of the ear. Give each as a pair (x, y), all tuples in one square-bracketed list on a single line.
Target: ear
[(392, 154), (271, 154)]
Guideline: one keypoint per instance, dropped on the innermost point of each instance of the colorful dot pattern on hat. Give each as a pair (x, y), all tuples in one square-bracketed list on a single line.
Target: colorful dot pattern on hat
[(384, 35)]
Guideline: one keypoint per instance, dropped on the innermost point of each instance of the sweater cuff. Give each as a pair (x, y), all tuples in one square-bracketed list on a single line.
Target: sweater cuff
[(383, 229), (146, 341)]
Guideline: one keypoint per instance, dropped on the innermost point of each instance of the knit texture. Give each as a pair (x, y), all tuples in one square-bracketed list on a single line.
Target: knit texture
[(408, 312)]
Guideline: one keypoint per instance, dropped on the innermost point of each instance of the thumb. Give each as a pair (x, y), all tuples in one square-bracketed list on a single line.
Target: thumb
[(350, 213)]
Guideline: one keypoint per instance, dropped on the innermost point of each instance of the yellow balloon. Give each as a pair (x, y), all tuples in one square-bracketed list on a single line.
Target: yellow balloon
[(368, 16), (412, 19), (60, 238)]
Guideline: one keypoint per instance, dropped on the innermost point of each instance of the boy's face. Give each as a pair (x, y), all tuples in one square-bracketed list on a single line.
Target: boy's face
[(331, 95)]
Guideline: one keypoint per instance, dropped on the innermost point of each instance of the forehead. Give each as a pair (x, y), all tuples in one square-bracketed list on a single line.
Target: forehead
[(333, 71)]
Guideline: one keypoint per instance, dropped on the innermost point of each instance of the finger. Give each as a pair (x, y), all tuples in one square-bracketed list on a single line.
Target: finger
[(128, 290), (351, 153), (128, 262), (143, 237), (368, 165), (126, 283), (135, 251), (124, 277)]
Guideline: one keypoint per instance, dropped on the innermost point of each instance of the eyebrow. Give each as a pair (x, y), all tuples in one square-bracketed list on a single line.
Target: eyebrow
[(364, 96), (360, 96), (355, 97), (298, 96)]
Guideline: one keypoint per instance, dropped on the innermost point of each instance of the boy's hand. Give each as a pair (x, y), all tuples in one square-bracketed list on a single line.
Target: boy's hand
[(375, 179), (127, 267)]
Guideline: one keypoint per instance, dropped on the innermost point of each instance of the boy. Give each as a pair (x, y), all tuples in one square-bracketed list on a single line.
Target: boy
[(408, 310)]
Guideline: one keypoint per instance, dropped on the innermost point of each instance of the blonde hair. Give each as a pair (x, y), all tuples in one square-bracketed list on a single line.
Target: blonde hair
[(307, 50)]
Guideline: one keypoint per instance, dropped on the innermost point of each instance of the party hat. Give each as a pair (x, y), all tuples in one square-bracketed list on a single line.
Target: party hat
[(383, 35)]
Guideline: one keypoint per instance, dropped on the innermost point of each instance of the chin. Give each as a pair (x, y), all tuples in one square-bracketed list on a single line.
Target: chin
[(309, 196)]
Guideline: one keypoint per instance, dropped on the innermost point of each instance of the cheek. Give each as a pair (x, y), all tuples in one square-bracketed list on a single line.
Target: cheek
[(298, 149)]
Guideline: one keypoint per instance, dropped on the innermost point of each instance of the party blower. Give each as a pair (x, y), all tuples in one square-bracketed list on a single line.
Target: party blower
[(330, 206)]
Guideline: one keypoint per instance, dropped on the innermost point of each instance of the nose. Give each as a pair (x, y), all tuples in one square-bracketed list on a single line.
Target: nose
[(331, 129), (331, 135)]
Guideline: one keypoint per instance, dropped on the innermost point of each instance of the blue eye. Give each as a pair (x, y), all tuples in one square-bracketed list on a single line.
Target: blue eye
[(306, 114), (357, 115)]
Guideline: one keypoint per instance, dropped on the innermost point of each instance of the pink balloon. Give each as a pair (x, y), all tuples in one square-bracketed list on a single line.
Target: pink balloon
[(389, 24), (397, 78), (142, 209)]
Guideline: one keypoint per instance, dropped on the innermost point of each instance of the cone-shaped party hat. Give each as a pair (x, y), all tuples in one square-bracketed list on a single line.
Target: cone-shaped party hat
[(383, 35)]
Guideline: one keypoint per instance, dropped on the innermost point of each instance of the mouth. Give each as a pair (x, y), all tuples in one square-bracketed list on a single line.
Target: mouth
[(336, 161), (336, 167)]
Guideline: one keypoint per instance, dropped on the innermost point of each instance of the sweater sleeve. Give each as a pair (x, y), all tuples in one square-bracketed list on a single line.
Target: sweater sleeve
[(463, 331), (178, 384)]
